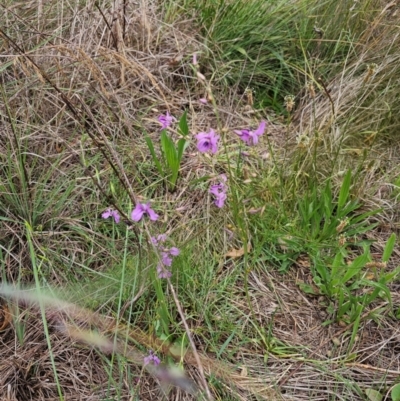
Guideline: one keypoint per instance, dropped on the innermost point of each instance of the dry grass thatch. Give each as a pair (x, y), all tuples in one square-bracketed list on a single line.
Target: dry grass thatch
[(80, 78)]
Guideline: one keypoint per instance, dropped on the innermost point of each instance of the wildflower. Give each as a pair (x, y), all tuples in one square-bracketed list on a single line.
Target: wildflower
[(160, 239), (166, 255), (166, 120), (251, 137), (162, 272), (166, 259), (219, 192), (203, 100), (151, 358), (194, 59), (207, 142), (174, 251), (142, 209), (111, 213)]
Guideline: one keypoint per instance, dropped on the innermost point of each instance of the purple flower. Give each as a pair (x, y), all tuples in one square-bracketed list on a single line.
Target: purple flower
[(151, 358), (220, 198), (219, 192), (141, 209), (111, 213), (194, 58), (162, 272), (174, 251), (203, 100), (251, 137), (166, 255), (166, 259), (166, 120), (160, 239), (207, 142), (244, 135)]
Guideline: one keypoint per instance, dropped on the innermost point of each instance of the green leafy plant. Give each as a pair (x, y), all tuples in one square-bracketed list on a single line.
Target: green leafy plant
[(395, 393), (171, 152)]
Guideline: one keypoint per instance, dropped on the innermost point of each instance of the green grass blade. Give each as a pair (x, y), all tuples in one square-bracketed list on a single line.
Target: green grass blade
[(170, 153), (150, 145), (344, 190), (387, 253), (181, 148), (183, 127), (357, 264)]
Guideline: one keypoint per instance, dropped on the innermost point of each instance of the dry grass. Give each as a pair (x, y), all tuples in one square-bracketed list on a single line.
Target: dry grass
[(119, 76)]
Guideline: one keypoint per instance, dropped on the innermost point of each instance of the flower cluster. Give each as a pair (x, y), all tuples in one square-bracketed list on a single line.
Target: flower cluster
[(151, 358), (207, 142), (167, 255), (219, 191)]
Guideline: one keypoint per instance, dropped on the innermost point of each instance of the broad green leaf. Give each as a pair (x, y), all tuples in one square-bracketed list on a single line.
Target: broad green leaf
[(364, 216), (171, 156), (344, 190), (373, 395), (357, 313), (153, 154), (181, 147), (357, 264), (390, 276), (337, 265), (395, 393), (387, 253), (183, 127), (169, 150)]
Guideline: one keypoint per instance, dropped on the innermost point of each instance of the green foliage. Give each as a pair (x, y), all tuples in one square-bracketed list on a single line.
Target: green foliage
[(327, 230), (269, 45), (171, 153), (373, 395), (395, 393)]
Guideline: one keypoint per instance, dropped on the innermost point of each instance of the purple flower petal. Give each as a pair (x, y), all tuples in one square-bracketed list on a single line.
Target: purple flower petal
[(261, 128), (162, 272), (111, 213), (174, 251), (106, 214), (220, 199), (166, 120), (219, 191), (151, 358), (152, 214), (138, 212), (166, 259), (244, 135), (160, 239), (116, 216), (251, 137)]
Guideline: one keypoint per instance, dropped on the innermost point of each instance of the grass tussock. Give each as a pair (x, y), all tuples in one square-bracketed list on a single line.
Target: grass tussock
[(290, 291)]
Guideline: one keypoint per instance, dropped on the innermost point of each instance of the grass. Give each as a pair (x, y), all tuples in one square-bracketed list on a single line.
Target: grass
[(290, 291)]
